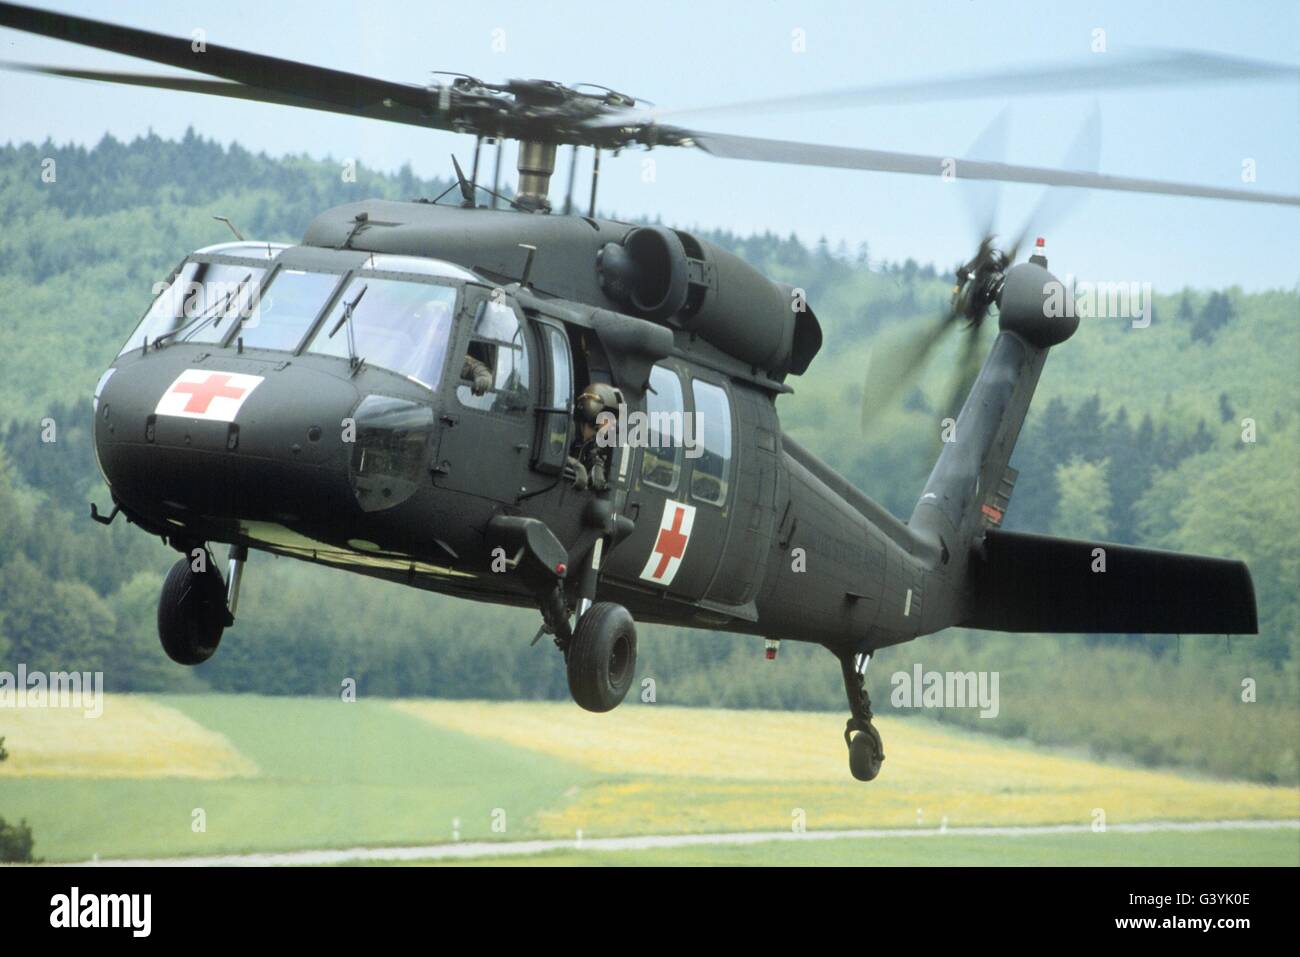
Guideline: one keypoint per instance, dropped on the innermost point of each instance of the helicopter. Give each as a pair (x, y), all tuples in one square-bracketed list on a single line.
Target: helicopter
[(401, 395)]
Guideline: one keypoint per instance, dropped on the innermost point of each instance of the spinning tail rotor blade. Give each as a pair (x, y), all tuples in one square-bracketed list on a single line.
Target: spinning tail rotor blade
[(964, 373), (890, 371), (982, 198), (1056, 204)]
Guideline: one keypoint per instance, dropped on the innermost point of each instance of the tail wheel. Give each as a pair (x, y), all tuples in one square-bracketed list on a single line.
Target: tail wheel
[(602, 657), (865, 754), (191, 613)]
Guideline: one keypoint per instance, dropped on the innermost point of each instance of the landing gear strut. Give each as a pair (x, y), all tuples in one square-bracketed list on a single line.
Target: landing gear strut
[(192, 610), (865, 750)]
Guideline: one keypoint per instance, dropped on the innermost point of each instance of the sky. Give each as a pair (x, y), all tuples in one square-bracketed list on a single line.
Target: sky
[(686, 53)]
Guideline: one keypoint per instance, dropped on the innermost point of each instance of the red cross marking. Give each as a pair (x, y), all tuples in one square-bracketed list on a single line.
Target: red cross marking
[(202, 393), (671, 543)]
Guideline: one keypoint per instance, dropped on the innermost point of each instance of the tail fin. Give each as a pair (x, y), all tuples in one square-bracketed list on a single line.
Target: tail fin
[(973, 465), (1016, 582)]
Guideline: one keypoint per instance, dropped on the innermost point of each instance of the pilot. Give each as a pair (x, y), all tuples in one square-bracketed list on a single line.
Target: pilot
[(436, 315), (589, 459), (477, 372)]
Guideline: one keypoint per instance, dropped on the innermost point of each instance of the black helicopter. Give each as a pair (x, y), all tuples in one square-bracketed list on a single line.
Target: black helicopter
[(395, 396)]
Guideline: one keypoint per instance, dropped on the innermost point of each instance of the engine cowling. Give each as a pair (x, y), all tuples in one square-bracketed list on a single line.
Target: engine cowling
[(672, 277)]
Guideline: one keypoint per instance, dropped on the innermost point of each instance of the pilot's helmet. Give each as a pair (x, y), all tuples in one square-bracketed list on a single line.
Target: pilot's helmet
[(597, 398)]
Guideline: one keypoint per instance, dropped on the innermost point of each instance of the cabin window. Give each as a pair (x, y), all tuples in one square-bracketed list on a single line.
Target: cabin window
[(713, 433), (661, 463), (286, 310), (199, 304), (398, 325), (497, 341)]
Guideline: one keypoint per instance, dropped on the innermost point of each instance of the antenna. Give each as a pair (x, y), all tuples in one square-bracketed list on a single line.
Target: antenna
[(466, 187), (478, 148), (226, 220), (573, 169), (528, 263), (496, 174), (595, 177)]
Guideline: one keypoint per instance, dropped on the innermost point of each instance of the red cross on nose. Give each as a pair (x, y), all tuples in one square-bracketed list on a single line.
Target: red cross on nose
[(215, 386), (671, 543)]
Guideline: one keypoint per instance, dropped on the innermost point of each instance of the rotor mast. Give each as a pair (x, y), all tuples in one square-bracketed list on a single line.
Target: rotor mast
[(536, 164)]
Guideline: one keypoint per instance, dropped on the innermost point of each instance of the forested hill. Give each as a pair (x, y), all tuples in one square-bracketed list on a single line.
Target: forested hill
[(1137, 436)]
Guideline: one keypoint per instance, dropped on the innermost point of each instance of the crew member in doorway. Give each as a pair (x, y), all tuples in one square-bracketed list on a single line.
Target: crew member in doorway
[(589, 459)]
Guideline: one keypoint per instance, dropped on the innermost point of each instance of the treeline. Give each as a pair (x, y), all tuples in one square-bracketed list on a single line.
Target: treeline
[(1137, 437), (151, 172)]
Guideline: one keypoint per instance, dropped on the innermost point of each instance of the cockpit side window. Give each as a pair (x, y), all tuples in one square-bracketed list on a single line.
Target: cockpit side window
[(555, 422), (396, 324), (200, 303), (498, 346)]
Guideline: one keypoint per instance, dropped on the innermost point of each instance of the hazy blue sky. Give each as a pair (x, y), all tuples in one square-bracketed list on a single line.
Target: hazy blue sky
[(689, 53)]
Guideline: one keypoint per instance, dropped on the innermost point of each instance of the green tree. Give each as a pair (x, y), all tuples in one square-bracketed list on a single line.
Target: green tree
[(1234, 507), (1217, 312), (15, 840), (16, 843), (1084, 505)]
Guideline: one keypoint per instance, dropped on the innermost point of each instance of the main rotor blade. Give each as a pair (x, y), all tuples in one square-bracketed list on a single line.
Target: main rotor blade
[(335, 89), (1105, 71), (240, 91), (886, 161)]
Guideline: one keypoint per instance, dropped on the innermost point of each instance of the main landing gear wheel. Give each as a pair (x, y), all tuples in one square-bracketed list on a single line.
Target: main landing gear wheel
[(601, 657), (192, 612)]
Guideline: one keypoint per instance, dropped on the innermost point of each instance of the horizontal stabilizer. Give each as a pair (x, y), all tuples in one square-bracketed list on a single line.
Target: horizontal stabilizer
[(1037, 583)]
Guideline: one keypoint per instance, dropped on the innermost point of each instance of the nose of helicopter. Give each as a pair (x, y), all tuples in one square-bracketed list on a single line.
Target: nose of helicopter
[(185, 438)]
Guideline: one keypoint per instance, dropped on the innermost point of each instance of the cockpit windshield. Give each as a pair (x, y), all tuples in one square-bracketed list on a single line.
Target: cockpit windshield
[(287, 309), (399, 325), (395, 323), (199, 304)]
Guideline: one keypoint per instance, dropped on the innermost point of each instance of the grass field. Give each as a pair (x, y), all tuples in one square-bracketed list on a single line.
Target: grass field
[(668, 770), (265, 774)]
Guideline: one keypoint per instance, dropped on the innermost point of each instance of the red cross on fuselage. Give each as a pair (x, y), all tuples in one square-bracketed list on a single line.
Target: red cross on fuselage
[(202, 393), (671, 543)]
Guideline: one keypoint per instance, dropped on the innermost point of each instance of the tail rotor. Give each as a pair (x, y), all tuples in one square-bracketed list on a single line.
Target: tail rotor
[(979, 281)]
